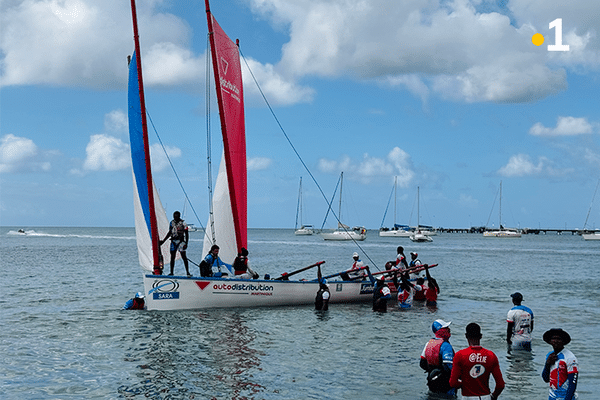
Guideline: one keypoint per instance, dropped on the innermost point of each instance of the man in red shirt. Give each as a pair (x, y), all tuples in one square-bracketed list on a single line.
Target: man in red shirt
[(472, 367)]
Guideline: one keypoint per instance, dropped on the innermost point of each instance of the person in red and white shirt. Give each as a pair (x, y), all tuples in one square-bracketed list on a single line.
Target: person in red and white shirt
[(472, 367), (561, 368)]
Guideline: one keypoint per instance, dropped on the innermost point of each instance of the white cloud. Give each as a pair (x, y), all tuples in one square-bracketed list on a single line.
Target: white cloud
[(19, 154), (397, 163), (116, 121), (565, 126), (451, 49), (456, 50), (521, 165), (106, 153), (159, 159), (277, 89), (258, 163)]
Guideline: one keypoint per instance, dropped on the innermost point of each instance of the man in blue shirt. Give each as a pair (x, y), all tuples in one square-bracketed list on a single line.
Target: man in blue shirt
[(437, 357)]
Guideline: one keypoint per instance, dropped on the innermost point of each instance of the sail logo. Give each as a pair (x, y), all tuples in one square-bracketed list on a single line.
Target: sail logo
[(243, 287), (230, 88), (224, 65)]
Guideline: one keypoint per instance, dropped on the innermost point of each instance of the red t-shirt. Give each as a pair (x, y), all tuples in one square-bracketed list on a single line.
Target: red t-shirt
[(473, 367)]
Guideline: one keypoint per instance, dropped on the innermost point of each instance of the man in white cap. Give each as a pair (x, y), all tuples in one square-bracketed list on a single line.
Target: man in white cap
[(436, 358), (355, 272), (519, 324), (137, 303)]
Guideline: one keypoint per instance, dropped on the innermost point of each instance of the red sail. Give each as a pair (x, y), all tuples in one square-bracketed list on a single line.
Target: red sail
[(230, 96)]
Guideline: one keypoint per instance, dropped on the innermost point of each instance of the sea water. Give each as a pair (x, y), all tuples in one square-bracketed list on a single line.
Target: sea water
[(64, 335)]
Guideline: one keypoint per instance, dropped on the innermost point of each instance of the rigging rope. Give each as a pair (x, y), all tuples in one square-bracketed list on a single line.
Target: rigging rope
[(300, 158)]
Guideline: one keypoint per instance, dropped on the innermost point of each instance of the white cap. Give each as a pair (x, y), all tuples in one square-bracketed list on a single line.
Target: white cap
[(355, 255)]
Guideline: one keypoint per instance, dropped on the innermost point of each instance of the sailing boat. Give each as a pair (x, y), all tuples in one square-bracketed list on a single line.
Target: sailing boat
[(229, 226), (304, 229), (420, 235), (397, 230), (586, 234), (502, 232), (344, 232)]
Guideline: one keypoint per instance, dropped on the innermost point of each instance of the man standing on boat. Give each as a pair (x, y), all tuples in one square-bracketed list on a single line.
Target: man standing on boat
[(437, 357), (519, 324), (561, 368), (178, 232)]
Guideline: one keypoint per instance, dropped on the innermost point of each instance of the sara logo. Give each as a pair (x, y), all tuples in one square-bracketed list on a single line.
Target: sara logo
[(165, 289)]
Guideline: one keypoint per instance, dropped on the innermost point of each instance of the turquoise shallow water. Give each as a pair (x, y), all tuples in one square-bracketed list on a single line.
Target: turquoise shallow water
[(64, 336)]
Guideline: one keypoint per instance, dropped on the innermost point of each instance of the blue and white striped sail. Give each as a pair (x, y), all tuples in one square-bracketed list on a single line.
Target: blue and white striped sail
[(140, 187)]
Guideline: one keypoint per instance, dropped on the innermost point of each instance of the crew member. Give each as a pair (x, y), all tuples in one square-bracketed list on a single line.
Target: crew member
[(473, 366), (561, 368), (436, 358), (519, 324), (137, 303)]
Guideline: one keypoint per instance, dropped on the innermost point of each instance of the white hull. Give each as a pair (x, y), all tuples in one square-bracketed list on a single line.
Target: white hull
[(419, 237), (591, 236), (305, 230), (183, 293), (344, 235), (395, 233), (503, 233)]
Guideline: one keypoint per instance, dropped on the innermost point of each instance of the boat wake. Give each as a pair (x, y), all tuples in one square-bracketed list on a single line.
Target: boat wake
[(56, 235)]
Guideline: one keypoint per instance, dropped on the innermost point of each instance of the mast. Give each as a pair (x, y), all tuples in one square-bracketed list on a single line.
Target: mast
[(418, 208), (395, 197), (340, 206), (149, 182), (299, 209), (500, 208)]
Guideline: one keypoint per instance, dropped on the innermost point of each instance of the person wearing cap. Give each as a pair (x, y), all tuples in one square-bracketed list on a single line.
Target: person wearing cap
[(137, 303), (472, 367), (436, 358), (561, 368), (178, 232), (355, 272), (381, 292), (519, 324)]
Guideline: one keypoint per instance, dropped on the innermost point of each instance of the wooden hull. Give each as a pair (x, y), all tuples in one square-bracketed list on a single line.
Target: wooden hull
[(183, 293)]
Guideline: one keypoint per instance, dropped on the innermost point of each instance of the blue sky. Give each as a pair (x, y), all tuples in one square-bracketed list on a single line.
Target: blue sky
[(449, 96)]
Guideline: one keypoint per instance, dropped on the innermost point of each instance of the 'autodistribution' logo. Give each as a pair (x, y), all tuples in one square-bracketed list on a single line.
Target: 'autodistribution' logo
[(243, 287)]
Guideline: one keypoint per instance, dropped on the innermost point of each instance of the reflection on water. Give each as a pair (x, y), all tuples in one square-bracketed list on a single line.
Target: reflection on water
[(520, 370), (183, 354)]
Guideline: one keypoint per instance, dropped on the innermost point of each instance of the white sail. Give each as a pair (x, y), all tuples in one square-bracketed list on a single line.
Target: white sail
[(224, 231)]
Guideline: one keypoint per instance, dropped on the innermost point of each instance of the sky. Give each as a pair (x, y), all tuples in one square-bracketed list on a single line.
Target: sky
[(448, 98)]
